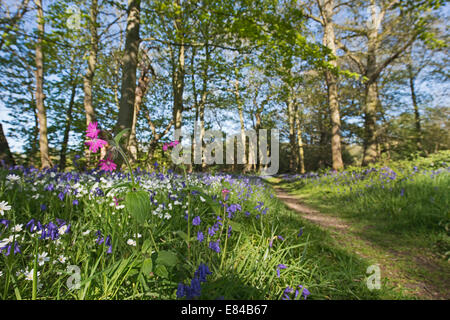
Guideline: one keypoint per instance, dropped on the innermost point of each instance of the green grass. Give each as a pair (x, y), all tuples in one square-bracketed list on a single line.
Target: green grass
[(404, 220)]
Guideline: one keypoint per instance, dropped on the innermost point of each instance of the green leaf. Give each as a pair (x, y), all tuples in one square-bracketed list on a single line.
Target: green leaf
[(182, 235), (147, 267), (161, 271), (138, 205), (167, 258), (146, 246), (119, 136), (235, 226)]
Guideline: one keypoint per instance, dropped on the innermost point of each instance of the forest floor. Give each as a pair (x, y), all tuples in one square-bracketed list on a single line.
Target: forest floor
[(406, 265)]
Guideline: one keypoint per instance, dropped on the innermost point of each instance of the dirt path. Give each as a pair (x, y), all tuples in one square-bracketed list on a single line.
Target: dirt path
[(389, 260)]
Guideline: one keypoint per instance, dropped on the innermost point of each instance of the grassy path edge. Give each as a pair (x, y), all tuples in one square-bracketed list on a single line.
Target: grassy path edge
[(392, 263)]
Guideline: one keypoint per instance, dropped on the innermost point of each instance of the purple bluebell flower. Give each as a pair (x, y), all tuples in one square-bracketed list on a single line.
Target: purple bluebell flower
[(281, 238), (214, 245), (181, 291), (196, 221), (279, 267), (43, 207), (30, 224), (52, 231), (75, 202), (202, 272), (5, 222), (229, 231), (6, 248), (232, 208), (109, 244), (16, 248), (61, 196), (200, 236), (60, 222), (300, 233)]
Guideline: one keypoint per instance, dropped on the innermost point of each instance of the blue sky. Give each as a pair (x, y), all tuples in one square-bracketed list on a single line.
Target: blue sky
[(440, 92)]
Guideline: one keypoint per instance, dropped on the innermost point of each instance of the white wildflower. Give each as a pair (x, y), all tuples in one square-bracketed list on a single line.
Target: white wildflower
[(62, 259), (131, 242), (42, 258), (4, 207), (13, 177)]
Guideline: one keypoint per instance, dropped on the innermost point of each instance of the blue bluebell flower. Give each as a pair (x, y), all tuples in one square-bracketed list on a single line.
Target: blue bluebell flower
[(196, 221), (214, 245)]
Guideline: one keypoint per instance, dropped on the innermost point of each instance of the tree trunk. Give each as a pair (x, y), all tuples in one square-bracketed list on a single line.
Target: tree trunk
[(130, 59), (179, 72), (42, 116), (178, 88), (63, 153), (301, 156), (247, 165), (370, 139), (329, 40), (371, 94), (417, 120), (92, 63), (291, 121), (141, 90), (5, 153)]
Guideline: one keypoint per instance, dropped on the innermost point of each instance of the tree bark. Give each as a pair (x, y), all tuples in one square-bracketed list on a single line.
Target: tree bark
[(417, 120), (69, 117), (5, 152), (130, 58), (92, 63), (329, 40), (291, 122), (141, 90), (179, 73), (247, 165), (301, 156), (42, 116), (371, 94)]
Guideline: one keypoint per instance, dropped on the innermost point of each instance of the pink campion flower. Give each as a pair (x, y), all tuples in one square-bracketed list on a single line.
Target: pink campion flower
[(107, 165), (171, 144), (174, 143), (96, 144), (92, 130)]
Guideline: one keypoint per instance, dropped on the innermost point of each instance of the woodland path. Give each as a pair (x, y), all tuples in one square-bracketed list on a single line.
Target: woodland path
[(392, 262)]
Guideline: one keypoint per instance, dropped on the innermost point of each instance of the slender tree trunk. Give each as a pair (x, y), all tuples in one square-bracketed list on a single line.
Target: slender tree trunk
[(5, 152), (42, 116), (92, 63), (179, 73), (370, 143), (32, 156), (141, 90), (371, 92), (130, 60), (417, 120), (301, 155), (291, 121), (329, 40), (247, 165), (258, 163), (203, 102), (63, 153)]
